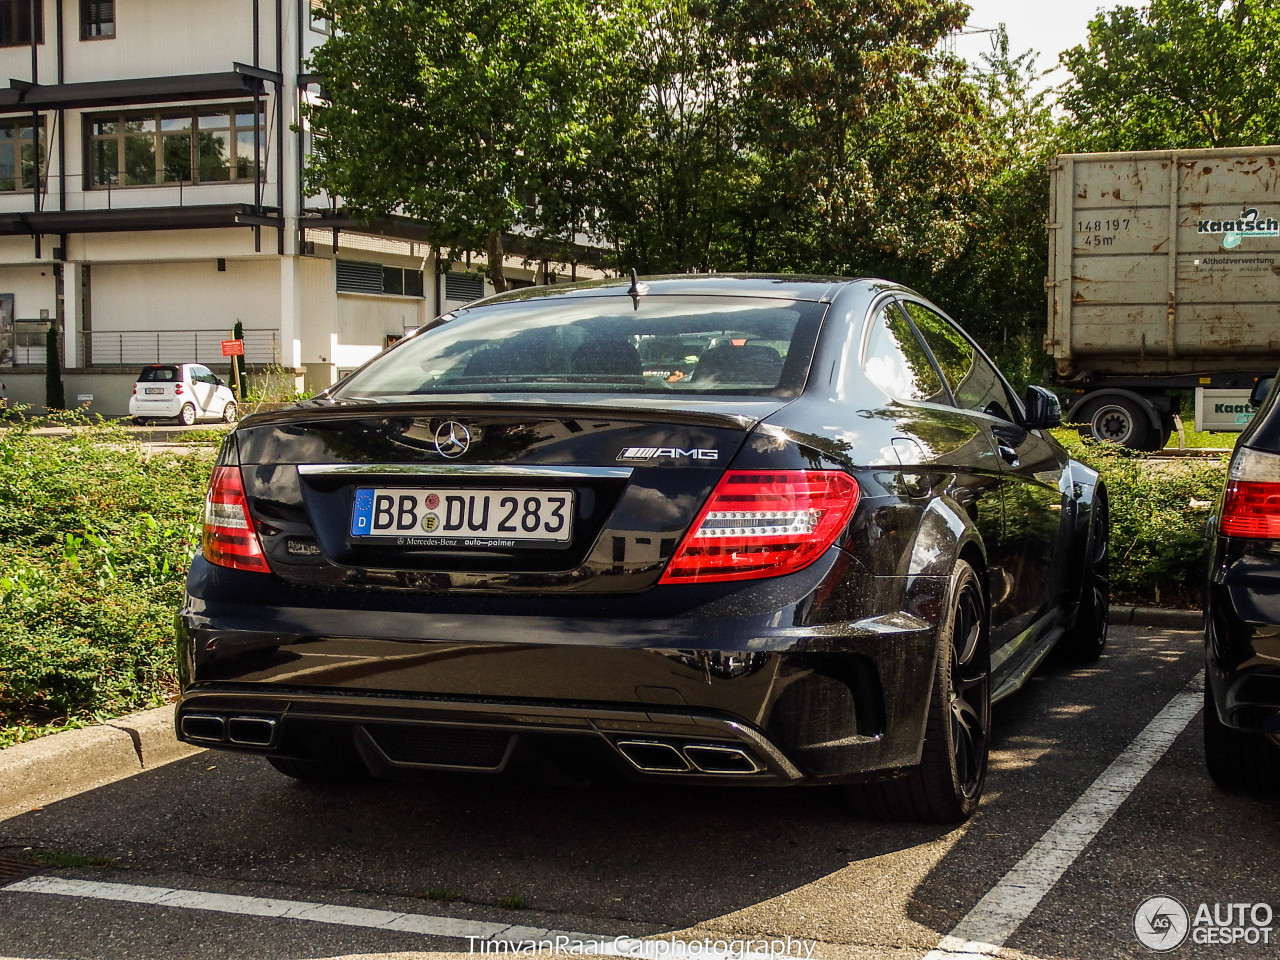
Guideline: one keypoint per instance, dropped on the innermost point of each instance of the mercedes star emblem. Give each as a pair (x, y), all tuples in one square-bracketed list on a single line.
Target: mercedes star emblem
[(452, 439)]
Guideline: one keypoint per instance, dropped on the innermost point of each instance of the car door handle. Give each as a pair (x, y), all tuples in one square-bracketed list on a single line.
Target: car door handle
[(1009, 453)]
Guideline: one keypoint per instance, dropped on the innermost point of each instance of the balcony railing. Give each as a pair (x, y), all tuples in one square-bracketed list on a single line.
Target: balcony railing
[(113, 348), (23, 343)]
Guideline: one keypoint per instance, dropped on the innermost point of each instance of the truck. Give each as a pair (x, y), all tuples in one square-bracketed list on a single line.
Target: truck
[(1164, 276)]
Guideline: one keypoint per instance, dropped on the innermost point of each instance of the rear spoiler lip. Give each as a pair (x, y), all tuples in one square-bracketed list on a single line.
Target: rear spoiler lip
[(659, 409)]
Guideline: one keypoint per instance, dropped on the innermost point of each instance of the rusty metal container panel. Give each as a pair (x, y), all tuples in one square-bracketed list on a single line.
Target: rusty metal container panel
[(1164, 262)]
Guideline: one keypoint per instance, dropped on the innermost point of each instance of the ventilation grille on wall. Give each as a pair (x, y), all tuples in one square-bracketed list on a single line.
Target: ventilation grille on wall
[(463, 286), (359, 277)]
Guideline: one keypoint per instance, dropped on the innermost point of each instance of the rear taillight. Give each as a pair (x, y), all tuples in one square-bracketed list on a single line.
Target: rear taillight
[(229, 537), (760, 523), (135, 389), (1251, 507), (177, 388)]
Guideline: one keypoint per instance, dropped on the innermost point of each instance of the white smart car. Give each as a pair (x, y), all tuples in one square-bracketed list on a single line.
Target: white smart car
[(185, 391)]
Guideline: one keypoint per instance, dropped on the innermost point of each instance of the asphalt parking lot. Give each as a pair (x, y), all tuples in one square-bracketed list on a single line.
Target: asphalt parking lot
[(224, 841)]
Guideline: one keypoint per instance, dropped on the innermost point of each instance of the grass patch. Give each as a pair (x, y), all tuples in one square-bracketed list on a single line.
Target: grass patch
[(440, 894), (1158, 515), (513, 901), (200, 438), (95, 540)]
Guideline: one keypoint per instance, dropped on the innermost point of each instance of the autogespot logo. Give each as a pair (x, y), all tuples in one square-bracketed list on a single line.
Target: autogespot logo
[(1161, 923)]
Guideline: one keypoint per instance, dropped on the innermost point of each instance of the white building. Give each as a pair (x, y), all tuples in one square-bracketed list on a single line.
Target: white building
[(171, 206)]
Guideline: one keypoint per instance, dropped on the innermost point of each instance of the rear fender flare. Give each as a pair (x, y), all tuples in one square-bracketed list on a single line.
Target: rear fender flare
[(945, 531), (1079, 485)]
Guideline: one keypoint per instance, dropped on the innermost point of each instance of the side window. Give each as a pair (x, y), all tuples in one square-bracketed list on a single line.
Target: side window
[(895, 361), (974, 382)]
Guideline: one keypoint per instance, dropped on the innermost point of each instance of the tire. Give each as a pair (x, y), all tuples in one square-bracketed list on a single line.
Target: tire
[(187, 415), (229, 413), (947, 785), (1238, 760), (1085, 640), (320, 771)]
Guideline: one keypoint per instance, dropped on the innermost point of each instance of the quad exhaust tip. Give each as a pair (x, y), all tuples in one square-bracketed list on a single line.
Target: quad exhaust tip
[(242, 731), (656, 756)]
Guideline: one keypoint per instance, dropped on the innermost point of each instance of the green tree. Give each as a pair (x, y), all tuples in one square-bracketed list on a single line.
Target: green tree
[(847, 104), (1178, 74), (668, 184), (995, 283), (474, 116), (771, 136)]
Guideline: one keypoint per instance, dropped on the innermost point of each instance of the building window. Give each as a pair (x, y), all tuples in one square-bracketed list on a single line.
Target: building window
[(19, 156), (97, 19), (191, 145), (356, 276), (15, 22), (320, 20)]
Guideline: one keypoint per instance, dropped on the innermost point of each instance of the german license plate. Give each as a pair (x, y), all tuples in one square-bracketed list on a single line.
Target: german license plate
[(153, 389), (472, 518)]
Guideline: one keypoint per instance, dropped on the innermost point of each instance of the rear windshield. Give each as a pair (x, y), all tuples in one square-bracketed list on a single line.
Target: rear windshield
[(654, 345), (158, 375)]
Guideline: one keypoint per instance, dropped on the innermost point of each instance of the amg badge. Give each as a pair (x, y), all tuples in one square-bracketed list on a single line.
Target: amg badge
[(668, 453)]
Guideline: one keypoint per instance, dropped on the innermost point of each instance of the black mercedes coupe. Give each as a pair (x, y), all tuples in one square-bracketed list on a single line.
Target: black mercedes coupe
[(702, 529)]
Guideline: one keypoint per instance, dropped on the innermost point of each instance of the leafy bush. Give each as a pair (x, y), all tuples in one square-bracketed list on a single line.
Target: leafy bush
[(95, 540), (1158, 514)]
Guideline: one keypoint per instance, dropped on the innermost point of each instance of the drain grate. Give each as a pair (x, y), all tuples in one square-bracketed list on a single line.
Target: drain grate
[(11, 869)]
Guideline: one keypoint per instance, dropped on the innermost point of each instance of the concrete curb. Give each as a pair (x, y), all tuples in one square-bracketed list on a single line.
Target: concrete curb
[(61, 765), (1157, 617)]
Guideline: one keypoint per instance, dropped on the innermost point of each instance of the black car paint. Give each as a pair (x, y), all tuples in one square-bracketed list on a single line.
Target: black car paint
[(831, 665), (1242, 606)]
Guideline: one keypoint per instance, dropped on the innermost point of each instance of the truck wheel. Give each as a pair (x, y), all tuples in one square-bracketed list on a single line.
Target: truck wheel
[(1118, 420)]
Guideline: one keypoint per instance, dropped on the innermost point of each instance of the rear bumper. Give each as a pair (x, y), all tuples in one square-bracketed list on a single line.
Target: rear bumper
[(405, 734), (1242, 634), (154, 408), (764, 696)]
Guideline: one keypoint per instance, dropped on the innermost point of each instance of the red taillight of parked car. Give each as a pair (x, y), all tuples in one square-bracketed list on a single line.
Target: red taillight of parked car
[(177, 388), (760, 523), (1251, 506), (229, 537)]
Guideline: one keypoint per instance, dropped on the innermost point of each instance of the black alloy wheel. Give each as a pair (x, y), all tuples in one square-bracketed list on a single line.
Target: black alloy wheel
[(1087, 636), (947, 785)]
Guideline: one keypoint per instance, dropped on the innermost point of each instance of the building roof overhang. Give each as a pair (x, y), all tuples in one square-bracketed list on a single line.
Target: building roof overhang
[(22, 96), (139, 218)]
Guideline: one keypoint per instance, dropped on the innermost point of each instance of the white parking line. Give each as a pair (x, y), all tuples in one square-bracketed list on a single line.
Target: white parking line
[(482, 937), (989, 925)]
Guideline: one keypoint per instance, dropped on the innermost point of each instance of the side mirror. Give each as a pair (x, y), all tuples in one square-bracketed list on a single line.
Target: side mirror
[(1260, 391), (1043, 409)]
